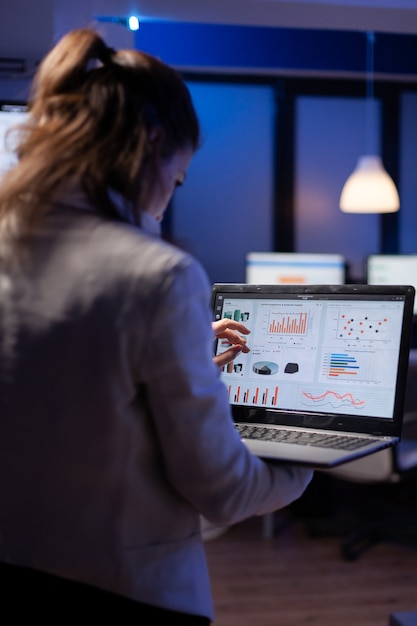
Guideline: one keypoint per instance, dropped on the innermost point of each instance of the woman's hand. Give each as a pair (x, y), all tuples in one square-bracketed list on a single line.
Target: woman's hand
[(231, 332)]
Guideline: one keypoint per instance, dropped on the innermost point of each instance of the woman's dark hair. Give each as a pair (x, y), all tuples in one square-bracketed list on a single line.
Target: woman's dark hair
[(91, 112)]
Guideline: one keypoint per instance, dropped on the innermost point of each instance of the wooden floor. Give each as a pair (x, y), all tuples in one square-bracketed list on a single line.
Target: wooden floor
[(296, 579)]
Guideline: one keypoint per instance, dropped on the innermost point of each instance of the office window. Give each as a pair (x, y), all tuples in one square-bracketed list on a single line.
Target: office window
[(408, 174), (330, 136), (225, 208)]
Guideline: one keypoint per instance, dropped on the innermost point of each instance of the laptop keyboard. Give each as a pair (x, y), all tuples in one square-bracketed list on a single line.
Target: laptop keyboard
[(321, 440)]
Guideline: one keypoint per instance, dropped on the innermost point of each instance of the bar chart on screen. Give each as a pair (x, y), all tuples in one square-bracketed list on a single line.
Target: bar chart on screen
[(253, 395), (288, 324)]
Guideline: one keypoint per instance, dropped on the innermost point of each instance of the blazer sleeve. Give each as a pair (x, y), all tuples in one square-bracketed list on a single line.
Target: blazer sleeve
[(204, 458)]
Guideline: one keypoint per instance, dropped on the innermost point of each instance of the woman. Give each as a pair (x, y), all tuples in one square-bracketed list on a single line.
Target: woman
[(115, 429)]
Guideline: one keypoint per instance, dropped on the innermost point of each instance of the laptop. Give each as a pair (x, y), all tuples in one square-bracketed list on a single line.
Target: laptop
[(324, 381)]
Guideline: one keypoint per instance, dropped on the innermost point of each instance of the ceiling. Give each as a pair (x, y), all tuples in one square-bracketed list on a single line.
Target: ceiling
[(19, 37), (398, 16)]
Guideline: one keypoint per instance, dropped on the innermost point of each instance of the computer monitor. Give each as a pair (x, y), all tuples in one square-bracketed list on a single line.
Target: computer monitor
[(11, 115), (295, 268), (392, 269)]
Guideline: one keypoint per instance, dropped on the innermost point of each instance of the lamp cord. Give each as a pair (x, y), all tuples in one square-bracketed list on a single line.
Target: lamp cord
[(370, 101)]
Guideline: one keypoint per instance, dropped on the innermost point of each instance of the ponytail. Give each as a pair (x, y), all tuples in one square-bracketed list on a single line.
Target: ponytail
[(64, 68), (91, 110)]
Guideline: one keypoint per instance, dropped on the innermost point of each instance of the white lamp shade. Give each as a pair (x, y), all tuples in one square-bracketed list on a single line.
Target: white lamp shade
[(369, 189)]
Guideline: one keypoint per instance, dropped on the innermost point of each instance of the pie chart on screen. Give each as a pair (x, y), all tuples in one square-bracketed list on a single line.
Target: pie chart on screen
[(266, 368)]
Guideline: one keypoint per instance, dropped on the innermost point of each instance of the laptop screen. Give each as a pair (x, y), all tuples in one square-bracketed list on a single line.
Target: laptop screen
[(319, 351)]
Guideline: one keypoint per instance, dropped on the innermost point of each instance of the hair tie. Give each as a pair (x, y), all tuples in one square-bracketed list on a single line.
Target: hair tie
[(106, 55)]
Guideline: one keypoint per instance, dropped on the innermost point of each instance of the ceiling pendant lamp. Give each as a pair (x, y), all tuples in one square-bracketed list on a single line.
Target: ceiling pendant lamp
[(369, 189)]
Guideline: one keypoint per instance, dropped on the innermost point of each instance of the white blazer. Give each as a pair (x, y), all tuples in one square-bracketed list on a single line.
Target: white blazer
[(115, 428)]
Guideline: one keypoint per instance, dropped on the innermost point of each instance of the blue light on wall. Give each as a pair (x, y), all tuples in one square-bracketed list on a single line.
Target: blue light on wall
[(131, 22)]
